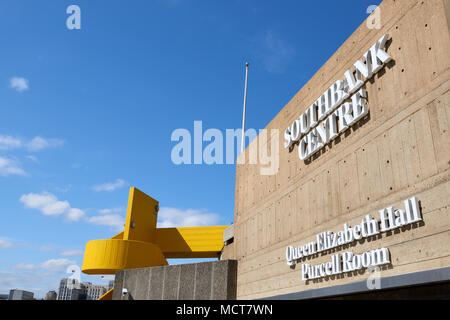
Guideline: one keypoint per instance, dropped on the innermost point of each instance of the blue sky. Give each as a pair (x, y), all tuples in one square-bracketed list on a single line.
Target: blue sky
[(85, 114)]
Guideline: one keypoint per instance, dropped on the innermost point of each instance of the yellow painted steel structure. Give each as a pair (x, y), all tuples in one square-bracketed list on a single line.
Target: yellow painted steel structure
[(141, 244)]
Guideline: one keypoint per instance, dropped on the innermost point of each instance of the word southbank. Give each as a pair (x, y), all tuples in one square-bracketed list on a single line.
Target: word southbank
[(390, 219), (331, 114)]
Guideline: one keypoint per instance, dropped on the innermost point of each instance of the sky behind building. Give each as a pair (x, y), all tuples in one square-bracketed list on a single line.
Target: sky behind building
[(85, 114)]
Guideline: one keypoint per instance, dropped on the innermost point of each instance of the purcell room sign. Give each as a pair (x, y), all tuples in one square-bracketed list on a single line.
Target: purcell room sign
[(332, 114)]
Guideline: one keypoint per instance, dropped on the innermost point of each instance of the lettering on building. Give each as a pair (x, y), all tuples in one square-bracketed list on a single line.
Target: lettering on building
[(390, 219), (338, 108)]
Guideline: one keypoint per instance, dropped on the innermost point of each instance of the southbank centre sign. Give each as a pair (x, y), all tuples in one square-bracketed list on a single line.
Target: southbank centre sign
[(334, 214), (390, 219), (332, 113)]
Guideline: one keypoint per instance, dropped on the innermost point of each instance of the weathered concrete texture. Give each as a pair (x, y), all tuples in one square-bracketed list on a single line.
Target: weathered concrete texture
[(155, 289), (401, 150), (228, 234), (200, 281), (117, 293), (186, 287)]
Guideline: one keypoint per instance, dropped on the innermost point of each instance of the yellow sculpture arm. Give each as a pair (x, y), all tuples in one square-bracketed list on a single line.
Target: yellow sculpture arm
[(141, 244)]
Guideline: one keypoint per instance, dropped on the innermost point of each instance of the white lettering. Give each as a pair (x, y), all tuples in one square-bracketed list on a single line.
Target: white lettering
[(331, 107)]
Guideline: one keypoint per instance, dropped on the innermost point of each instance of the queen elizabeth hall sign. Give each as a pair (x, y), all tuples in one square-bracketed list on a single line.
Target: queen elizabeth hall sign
[(364, 178), (390, 219)]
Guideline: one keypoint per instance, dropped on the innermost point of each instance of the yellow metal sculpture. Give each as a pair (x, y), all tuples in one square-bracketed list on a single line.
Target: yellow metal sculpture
[(141, 244)]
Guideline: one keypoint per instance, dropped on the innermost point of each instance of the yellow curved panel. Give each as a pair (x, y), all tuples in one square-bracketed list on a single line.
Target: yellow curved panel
[(118, 236), (108, 255)]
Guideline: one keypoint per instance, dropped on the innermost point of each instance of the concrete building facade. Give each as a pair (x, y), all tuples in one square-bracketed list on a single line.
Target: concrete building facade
[(16, 294), (72, 289), (69, 289), (51, 295), (290, 227), (94, 291), (214, 280)]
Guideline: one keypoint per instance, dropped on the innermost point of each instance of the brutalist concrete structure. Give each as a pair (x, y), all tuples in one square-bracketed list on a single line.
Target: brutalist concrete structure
[(399, 151), (214, 280)]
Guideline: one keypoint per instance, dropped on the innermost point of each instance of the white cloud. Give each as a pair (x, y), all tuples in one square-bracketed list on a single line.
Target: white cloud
[(5, 243), (49, 205), (111, 210), (39, 143), (173, 217), (10, 167), (19, 84), (8, 142), (40, 277), (112, 220), (274, 52), (76, 165), (8, 243), (109, 217), (24, 281), (33, 158), (57, 265), (24, 266), (71, 253), (36, 144), (46, 248), (167, 218), (40, 281), (45, 202), (109, 186), (75, 214)]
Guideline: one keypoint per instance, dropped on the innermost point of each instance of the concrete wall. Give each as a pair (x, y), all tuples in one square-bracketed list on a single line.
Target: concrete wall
[(401, 150), (198, 281)]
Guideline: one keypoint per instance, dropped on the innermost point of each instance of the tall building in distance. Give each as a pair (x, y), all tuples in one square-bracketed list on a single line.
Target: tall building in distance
[(110, 284), (16, 294), (51, 295), (94, 291), (72, 289)]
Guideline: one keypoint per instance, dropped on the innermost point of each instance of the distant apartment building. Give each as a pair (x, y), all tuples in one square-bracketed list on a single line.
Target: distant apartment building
[(51, 295), (16, 294), (4, 296), (94, 291), (110, 284), (71, 289)]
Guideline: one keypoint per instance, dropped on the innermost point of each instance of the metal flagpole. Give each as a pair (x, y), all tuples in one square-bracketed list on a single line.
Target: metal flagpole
[(245, 102)]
